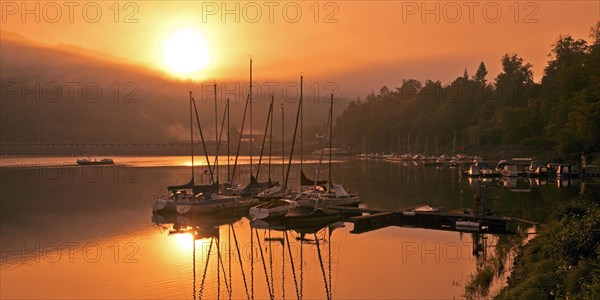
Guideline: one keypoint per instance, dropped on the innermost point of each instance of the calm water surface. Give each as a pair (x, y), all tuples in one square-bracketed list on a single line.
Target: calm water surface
[(88, 232)]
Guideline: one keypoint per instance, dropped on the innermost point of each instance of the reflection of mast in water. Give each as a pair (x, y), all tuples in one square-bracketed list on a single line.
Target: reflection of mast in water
[(194, 267), (212, 232), (237, 247), (269, 288), (205, 268), (298, 277)]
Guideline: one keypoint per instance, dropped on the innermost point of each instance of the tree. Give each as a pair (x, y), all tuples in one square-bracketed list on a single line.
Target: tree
[(409, 89), (481, 73), (514, 71), (384, 91), (514, 83)]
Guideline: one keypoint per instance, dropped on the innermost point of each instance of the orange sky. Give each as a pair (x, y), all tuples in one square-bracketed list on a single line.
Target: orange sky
[(369, 43)]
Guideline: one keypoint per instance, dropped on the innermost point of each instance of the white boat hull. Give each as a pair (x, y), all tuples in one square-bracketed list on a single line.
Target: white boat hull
[(264, 211), (467, 225), (228, 205)]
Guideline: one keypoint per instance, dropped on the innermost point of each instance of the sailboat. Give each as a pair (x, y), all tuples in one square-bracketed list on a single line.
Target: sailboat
[(329, 194), (277, 191), (254, 186), (303, 214), (274, 208), (189, 191), (213, 202), (274, 204)]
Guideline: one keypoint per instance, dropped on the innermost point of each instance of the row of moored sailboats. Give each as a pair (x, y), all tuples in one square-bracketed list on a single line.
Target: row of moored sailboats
[(270, 200)]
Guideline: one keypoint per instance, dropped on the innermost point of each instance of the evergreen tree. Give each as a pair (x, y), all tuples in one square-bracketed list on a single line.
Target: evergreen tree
[(481, 73)]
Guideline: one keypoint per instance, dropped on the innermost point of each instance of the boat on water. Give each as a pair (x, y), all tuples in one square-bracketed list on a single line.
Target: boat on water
[(254, 187), (214, 203), (307, 216), (88, 161), (422, 208), (334, 197), (325, 193), (275, 192), (427, 208), (509, 171), (537, 169), (467, 225), (567, 171), (333, 151), (181, 194), (480, 169), (191, 198), (272, 209), (300, 228)]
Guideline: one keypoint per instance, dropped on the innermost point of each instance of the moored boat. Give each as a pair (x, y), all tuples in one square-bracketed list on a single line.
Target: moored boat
[(88, 161), (335, 197), (272, 209), (467, 225), (215, 204), (303, 215)]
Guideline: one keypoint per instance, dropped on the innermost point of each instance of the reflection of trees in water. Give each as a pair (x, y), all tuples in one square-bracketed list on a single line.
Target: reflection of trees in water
[(494, 255)]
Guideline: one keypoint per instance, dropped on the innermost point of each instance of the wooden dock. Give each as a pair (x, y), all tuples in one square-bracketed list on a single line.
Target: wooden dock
[(365, 220)]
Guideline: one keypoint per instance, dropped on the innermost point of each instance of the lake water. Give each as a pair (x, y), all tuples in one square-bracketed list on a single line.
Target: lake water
[(89, 232)]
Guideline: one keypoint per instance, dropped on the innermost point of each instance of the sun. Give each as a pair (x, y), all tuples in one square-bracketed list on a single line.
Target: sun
[(185, 52)]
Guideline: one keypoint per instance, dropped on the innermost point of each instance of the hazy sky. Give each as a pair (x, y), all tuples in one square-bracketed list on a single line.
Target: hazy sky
[(357, 44)]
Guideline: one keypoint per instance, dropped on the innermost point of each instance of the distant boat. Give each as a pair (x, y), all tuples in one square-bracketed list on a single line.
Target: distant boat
[(509, 171), (334, 151), (88, 161), (480, 169), (537, 169), (567, 171)]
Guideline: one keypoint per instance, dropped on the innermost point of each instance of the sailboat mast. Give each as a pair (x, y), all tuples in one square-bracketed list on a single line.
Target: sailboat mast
[(237, 153), (210, 170), (399, 144), (301, 123), (409, 152), (228, 172), (192, 135), (282, 143), (271, 139), (287, 175), (322, 153), (330, 137), (262, 147), (454, 144), (217, 140), (251, 133)]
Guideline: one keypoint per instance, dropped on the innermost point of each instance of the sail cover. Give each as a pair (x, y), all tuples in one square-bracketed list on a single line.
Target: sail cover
[(254, 187), (207, 188), (304, 181)]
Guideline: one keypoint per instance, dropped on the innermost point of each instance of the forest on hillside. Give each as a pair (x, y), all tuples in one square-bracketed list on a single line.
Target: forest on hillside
[(558, 117)]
